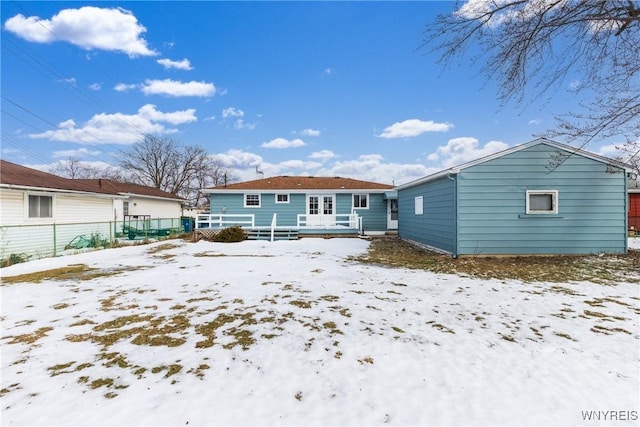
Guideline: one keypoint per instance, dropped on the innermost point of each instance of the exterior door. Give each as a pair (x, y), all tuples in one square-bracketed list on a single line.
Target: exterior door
[(321, 210), (392, 214)]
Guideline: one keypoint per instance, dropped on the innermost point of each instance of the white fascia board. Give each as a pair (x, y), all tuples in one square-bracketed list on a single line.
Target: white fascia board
[(60, 190), (294, 191), (143, 196)]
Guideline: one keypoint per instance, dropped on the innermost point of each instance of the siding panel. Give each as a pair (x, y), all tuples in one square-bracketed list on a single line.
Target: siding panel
[(492, 205), (436, 226)]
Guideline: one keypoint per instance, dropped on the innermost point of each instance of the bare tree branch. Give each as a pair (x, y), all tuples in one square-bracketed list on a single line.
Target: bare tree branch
[(163, 163), (538, 44)]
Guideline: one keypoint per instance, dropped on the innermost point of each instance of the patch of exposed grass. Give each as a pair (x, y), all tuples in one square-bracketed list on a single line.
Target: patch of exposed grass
[(29, 338), (162, 247), (300, 303), (142, 330), (368, 360), (172, 369), (563, 335), (83, 322), (60, 369), (606, 269), (608, 331), (70, 272)]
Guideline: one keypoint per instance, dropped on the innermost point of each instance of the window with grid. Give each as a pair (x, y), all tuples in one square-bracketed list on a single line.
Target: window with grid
[(282, 198), (361, 201), (252, 200)]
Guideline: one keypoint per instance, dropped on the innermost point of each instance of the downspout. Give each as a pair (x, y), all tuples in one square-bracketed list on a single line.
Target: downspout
[(454, 254), (627, 197)]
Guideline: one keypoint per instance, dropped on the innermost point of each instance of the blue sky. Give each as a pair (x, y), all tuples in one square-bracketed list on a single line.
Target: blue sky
[(293, 88)]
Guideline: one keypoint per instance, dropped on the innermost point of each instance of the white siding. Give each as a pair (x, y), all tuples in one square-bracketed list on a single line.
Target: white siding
[(83, 208), (11, 207), (67, 208), (155, 208)]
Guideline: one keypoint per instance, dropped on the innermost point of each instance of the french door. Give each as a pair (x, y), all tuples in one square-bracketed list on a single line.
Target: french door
[(321, 209)]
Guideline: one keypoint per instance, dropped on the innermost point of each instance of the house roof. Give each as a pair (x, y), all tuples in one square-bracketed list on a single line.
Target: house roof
[(129, 189), (569, 148), (297, 183), (15, 175)]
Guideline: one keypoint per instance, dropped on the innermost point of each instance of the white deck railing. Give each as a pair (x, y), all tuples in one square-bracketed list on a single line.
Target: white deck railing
[(328, 221), (304, 221), (225, 220)]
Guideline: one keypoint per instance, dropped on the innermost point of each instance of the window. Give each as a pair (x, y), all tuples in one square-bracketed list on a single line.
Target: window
[(252, 200), (327, 205), (125, 208), (361, 201), (542, 201), (282, 198), (313, 205), (40, 206), (419, 209)]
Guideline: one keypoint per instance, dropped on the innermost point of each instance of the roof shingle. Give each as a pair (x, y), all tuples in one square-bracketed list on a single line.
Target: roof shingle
[(305, 183)]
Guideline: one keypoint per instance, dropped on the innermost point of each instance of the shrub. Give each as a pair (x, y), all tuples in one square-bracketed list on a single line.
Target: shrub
[(230, 234), (13, 259)]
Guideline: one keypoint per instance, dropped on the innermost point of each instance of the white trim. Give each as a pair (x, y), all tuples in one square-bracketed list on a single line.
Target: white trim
[(223, 190), (282, 194), (28, 218), (554, 202), (244, 200), (144, 196), (360, 195), (60, 190), (418, 205)]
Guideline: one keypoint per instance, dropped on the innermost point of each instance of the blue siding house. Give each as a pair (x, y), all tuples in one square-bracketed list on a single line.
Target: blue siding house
[(541, 197), (310, 205)]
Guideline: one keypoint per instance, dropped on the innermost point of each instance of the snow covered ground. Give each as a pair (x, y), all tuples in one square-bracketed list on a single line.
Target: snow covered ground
[(293, 333)]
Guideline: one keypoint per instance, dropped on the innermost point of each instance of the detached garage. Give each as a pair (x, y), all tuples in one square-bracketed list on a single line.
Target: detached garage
[(541, 197)]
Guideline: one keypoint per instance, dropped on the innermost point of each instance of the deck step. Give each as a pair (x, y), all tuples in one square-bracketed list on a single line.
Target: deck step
[(278, 234)]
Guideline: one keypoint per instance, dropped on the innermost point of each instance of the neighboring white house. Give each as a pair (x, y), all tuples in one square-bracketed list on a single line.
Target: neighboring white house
[(139, 199), (43, 214), (33, 197)]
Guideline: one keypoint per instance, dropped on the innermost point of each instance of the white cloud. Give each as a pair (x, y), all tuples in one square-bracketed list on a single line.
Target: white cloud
[(184, 64), (95, 86), (89, 27), (413, 127), (283, 143), (612, 151), (80, 152), (464, 149), (310, 132), (370, 167), (119, 128), (575, 85), (238, 159), (299, 164), (177, 88), (323, 155), (328, 71), (232, 112), (123, 87), (239, 123), (535, 121)]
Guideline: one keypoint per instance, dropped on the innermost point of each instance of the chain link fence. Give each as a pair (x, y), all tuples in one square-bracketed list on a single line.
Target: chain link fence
[(19, 243)]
